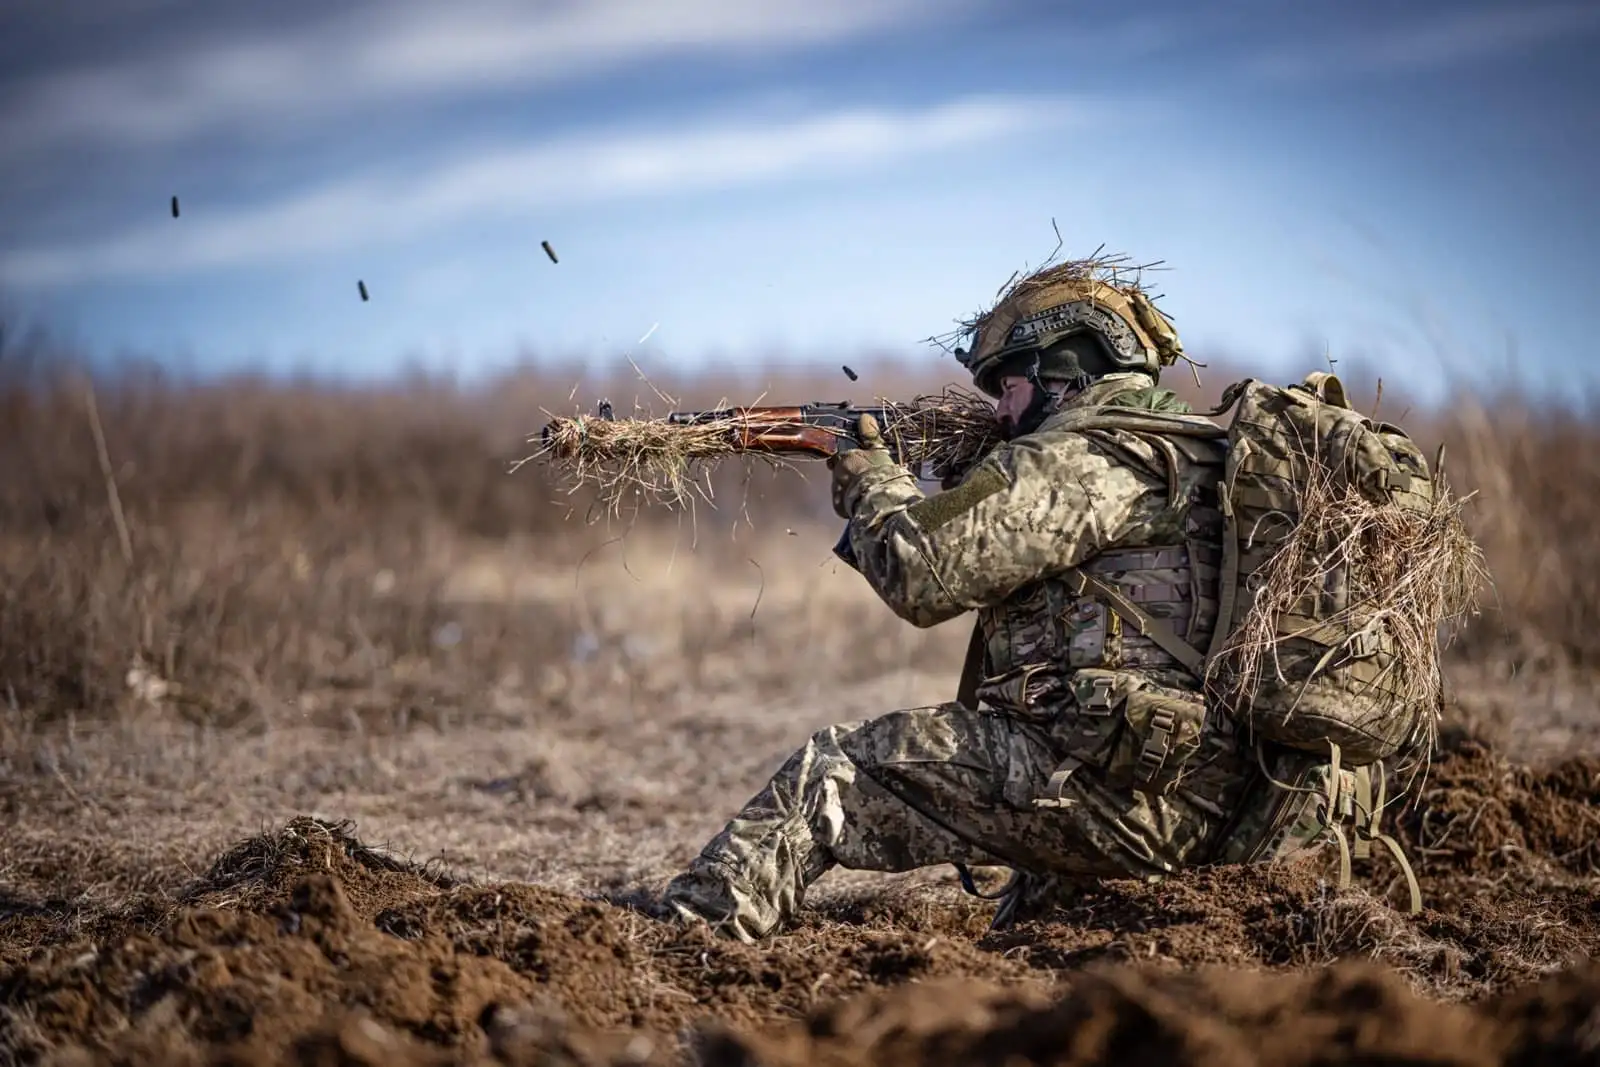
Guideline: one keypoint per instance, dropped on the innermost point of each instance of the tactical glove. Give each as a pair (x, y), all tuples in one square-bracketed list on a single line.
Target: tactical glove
[(848, 467), (845, 551)]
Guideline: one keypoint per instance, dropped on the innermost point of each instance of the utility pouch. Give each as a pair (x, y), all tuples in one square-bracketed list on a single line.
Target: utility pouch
[(1138, 735), (1160, 733)]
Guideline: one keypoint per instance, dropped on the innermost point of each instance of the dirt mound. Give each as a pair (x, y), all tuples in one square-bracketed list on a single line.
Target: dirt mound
[(1353, 1013), (290, 932), (307, 945), (1480, 814)]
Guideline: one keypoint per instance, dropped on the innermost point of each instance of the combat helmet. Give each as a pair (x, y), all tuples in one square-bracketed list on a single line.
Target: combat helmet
[(1099, 296)]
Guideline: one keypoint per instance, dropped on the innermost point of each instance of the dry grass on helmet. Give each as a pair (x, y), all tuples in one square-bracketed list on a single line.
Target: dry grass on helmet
[(1414, 573), (645, 460), (1115, 269)]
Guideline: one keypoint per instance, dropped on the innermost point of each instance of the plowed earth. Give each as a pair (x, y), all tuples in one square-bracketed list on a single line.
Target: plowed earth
[(303, 944)]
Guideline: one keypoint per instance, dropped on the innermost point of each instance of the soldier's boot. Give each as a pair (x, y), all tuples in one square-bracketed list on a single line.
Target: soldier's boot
[(718, 895), (1029, 896)]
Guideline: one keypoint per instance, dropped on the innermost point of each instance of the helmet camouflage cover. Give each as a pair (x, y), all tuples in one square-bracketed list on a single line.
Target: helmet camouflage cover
[(1062, 301)]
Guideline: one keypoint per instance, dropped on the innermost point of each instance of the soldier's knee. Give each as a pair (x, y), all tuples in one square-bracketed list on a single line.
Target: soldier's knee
[(838, 734), (913, 736)]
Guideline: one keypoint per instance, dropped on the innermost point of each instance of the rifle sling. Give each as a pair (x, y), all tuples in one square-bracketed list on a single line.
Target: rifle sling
[(973, 669)]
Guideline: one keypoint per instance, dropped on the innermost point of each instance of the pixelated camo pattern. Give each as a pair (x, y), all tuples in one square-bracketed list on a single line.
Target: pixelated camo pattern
[(1145, 782)]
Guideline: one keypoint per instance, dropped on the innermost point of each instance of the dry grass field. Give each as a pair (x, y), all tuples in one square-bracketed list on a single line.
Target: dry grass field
[(324, 739)]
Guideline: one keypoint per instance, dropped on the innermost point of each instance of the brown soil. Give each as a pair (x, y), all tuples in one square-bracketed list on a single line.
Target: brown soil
[(307, 944)]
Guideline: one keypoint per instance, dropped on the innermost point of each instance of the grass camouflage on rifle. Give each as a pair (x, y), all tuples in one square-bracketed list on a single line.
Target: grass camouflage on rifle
[(650, 459)]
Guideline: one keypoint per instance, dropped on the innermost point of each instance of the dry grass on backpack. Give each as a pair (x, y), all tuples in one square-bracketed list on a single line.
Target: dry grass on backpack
[(1412, 575)]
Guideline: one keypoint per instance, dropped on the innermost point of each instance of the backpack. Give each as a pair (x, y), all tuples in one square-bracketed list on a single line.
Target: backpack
[(1309, 650), (1318, 661), (1329, 663)]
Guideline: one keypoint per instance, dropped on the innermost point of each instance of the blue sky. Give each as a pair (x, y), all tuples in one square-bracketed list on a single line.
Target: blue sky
[(1409, 183)]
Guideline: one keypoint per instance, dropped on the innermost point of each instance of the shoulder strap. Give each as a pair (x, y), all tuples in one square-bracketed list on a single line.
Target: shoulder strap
[(1136, 420), (1156, 630)]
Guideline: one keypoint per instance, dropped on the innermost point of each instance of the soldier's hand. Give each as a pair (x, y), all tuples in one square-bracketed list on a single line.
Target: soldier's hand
[(850, 465)]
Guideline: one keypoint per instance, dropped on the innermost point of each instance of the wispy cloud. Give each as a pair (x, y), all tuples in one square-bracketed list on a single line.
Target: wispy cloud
[(401, 50), (352, 213), (1438, 41)]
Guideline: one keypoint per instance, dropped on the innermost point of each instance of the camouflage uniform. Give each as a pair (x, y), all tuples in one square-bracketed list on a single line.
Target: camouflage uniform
[(1079, 745), (1089, 753)]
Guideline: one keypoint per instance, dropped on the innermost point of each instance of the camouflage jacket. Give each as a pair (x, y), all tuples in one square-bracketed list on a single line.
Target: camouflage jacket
[(1134, 510)]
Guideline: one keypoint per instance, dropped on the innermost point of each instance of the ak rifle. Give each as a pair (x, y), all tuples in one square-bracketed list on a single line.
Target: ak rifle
[(819, 430)]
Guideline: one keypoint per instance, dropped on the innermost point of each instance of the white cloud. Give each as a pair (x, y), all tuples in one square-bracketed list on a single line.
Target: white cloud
[(400, 50), (513, 181), (1439, 42)]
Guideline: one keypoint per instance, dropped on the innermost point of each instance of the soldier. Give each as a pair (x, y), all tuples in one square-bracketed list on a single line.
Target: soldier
[(1079, 747)]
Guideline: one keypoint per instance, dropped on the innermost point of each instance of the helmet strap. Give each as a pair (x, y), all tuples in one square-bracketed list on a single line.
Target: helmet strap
[(1046, 400), (1069, 387), (1033, 373)]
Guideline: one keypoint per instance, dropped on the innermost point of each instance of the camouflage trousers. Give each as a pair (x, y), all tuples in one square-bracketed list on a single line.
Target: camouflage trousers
[(948, 784)]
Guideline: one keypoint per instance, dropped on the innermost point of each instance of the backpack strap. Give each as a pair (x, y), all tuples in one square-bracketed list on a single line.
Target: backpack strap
[(1227, 575), (1136, 420), (1361, 802), (1369, 810), (1081, 584)]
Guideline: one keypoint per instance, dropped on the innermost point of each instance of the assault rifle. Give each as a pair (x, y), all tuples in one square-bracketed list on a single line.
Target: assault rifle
[(820, 430), (935, 438)]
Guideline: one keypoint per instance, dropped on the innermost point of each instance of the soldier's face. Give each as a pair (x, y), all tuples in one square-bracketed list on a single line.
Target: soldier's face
[(1016, 393)]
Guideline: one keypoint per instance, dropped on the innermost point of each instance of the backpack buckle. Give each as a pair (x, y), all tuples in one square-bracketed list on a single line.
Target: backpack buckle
[(1364, 644), (1156, 746), (1095, 698), (1393, 481)]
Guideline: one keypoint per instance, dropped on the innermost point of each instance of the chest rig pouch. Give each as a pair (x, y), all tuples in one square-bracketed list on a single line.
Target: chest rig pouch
[(1100, 607), (1138, 734), (1133, 733)]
